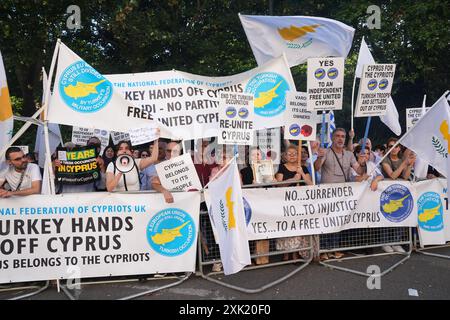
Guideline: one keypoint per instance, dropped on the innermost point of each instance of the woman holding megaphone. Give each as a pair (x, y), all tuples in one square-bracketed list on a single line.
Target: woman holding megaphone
[(123, 174)]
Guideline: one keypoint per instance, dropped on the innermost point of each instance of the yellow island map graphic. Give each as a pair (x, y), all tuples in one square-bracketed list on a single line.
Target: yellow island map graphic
[(429, 214), (291, 33), (168, 235), (82, 89), (266, 97), (230, 206), (394, 205)]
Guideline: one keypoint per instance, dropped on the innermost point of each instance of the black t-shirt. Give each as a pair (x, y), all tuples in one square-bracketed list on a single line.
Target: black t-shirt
[(287, 174), (247, 175)]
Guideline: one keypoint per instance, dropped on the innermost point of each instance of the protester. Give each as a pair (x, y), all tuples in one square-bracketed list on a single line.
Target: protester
[(395, 166), (22, 178), (335, 165), (203, 161), (148, 173), (173, 149), (369, 170), (108, 155), (293, 171), (136, 153), (380, 150), (118, 181), (246, 173)]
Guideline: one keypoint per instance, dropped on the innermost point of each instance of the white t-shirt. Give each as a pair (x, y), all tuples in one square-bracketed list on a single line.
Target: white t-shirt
[(132, 177), (12, 177)]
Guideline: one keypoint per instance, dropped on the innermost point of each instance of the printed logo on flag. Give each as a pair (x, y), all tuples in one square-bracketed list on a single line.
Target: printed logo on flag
[(430, 212), (396, 203), (438, 145), (247, 211), (295, 33), (83, 89), (269, 89), (171, 232)]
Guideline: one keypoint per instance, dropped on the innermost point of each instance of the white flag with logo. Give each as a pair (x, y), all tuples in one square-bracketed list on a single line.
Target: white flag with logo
[(430, 137), (390, 119), (299, 37), (226, 211), (83, 97)]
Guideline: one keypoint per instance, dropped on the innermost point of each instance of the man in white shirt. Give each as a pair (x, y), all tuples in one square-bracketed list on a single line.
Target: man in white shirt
[(22, 177)]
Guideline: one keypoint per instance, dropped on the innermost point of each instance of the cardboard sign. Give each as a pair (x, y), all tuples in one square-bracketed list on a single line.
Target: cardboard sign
[(78, 166), (325, 83), (412, 116), (178, 174), (299, 123), (236, 119), (374, 90), (119, 136), (143, 135), (269, 142), (80, 136)]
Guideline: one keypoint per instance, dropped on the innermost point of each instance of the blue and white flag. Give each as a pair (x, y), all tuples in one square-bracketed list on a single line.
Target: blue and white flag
[(299, 37)]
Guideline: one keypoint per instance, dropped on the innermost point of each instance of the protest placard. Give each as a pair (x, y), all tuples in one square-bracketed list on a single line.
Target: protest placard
[(413, 115), (374, 90), (325, 83), (80, 136), (236, 119), (119, 136), (299, 122), (178, 174), (143, 135), (78, 166)]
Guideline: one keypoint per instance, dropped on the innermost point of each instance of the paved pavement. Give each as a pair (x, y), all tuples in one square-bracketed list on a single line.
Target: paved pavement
[(427, 276)]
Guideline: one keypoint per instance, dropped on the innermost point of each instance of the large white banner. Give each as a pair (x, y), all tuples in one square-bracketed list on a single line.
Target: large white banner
[(295, 211), (186, 105), (97, 235), (432, 208)]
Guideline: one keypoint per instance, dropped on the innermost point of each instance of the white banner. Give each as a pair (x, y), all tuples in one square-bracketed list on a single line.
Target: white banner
[(178, 174), (46, 237), (433, 216), (236, 118), (186, 105), (325, 83), (299, 123), (375, 90), (296, 211)]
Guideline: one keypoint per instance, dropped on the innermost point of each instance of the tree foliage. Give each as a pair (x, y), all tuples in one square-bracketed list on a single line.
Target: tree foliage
[(205, 37)]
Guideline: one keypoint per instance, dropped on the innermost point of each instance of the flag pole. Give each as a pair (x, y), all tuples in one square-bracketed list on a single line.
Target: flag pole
[(313, 174), (353, 99), (220, 171), (322, 131), (366, 133)]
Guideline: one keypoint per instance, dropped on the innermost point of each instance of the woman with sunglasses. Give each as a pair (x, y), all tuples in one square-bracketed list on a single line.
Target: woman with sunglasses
[(395, 166)]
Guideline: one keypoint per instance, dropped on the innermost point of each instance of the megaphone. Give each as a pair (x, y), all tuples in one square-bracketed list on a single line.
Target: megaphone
[(124, 163)]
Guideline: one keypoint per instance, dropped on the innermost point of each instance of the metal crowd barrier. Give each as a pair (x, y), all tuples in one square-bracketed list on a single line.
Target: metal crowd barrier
[(363, 239), (38, 290), (425, 250), (155, 277), (209, 254)]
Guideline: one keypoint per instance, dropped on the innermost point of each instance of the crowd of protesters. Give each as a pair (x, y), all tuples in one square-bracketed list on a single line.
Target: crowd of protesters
[(342, 161)]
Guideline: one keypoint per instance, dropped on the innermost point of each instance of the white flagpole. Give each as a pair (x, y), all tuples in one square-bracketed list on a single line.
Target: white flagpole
[(313, 173), (353, 98)]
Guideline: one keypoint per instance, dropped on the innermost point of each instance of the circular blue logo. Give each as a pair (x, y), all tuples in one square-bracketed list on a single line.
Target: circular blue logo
[(430, 212), (294, 130), (333, 73), (247, 211), (396, 203), (383, 84), (83, 89), (269, 90), (372, 84), (319, 74), (243, 113), (230, 112), (171, 232)]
